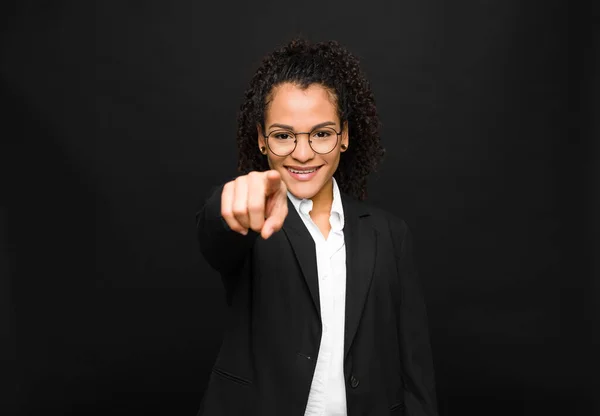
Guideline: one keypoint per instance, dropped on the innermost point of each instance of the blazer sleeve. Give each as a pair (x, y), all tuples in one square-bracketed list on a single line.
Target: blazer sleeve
[(417, 362), (225, 250)]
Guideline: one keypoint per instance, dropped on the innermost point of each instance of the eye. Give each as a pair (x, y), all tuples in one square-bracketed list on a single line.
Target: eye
[(282, 135), (322, 134)]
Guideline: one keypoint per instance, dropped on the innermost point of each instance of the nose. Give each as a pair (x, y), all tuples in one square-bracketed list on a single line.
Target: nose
[(303, 152)]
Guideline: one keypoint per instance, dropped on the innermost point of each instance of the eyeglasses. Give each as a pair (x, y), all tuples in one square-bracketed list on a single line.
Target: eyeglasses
[(283, 142)]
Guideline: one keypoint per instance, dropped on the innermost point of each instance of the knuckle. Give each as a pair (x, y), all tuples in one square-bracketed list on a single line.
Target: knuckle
[(227, 192), (255, 180), (254, 206), (240, 181), (232, 223), (239, 210), (257, 221), (226, 212)]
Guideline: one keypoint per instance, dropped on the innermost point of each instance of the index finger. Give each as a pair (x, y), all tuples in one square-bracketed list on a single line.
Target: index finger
[(272, 182)]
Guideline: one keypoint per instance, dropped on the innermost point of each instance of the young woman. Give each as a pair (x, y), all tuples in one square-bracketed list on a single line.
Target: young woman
[(325, 315)]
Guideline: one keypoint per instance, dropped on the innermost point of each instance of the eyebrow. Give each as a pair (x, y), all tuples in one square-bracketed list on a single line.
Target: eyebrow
[(285, 126)]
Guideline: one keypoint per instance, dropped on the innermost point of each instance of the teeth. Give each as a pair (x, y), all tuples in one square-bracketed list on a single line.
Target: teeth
[(301, 171)]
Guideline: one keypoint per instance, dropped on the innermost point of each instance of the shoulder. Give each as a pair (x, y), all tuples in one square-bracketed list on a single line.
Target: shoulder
[(382, 220)]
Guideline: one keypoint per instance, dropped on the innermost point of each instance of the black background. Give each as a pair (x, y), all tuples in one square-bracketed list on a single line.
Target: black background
[(119, 117)]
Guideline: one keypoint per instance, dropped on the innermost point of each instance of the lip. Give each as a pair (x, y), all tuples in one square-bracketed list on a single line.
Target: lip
[(302, 167), (303, 176)]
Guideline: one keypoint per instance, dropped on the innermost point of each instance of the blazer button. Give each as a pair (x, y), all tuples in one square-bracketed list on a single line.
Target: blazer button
[(354, 382)]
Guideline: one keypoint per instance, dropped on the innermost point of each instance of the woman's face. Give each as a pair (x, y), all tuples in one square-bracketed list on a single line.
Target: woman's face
[(303, 110)]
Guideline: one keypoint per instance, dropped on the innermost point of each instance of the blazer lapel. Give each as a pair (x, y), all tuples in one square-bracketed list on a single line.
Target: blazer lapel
[(304, 249), (361, 246)]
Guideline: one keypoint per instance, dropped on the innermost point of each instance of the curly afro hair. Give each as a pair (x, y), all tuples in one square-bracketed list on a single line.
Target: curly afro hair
[(332, 66)]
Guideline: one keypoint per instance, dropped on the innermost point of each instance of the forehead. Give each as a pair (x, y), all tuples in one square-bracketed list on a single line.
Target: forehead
[(293, 105)]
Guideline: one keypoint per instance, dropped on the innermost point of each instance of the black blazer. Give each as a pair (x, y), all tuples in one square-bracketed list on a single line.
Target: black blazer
[(273, 326)]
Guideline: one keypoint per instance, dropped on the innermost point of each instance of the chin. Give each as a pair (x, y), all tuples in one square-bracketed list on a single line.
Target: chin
[(302, 192)]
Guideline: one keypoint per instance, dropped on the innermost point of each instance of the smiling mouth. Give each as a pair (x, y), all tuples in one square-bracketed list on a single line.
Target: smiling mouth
[(300, 171)]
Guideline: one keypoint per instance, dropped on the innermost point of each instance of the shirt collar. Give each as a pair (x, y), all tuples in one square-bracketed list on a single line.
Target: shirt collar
[(304, 206)]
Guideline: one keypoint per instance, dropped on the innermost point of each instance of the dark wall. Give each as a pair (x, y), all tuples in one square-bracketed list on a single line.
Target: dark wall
[(591, 95), (119, 117)]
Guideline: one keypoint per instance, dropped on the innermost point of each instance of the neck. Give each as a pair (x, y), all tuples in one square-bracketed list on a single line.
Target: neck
[(323, 200)]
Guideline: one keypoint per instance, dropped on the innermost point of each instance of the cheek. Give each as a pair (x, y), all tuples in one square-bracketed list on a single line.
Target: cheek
[(333, 159), (274, 163)]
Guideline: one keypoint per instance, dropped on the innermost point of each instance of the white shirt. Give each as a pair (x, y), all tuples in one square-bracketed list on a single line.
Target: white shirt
[(327, 395)]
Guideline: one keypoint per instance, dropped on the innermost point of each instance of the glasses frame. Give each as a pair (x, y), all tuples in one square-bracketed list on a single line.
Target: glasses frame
[(338, 134)]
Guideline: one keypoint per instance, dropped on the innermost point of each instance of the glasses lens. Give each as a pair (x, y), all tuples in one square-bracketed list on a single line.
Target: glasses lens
[(323, 140), (281, 142)]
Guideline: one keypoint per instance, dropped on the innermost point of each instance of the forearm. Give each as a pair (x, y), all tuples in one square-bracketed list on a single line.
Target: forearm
[(224, 249)]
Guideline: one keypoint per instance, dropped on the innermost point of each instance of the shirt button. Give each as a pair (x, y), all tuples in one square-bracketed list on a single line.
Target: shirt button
[(354, 382), (325, 328)]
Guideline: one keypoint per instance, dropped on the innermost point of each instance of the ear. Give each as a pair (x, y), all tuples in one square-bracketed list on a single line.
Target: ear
[(345, 136), (261, 137)]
